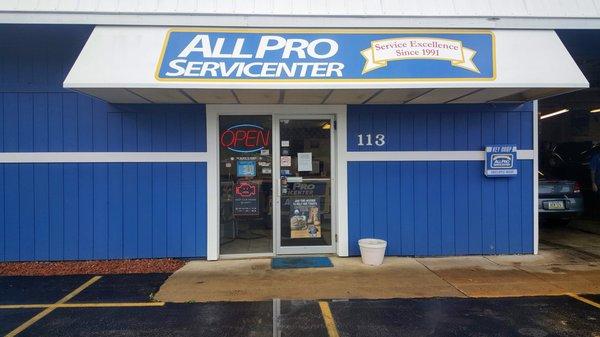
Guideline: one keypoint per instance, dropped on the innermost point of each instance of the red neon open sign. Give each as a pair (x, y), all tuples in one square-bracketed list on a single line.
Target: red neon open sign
[(246, 138)]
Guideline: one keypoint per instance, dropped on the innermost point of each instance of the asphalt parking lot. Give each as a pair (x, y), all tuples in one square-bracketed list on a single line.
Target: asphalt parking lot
[(122, 305)]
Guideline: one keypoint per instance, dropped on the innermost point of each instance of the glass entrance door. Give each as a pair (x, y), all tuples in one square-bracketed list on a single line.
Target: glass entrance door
[(245, 173), (303, 177)]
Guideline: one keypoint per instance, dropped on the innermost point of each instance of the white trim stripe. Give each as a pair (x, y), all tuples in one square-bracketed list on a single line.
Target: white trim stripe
[(197, 157), (536, 160), (525, 154), (213, 185), (427, 155), (102, 157)]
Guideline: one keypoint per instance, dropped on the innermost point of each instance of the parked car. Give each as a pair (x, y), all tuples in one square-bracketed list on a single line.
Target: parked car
[(568, 161), (559, 200)]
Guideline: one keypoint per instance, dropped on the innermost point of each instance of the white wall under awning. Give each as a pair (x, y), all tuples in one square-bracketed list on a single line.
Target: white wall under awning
[(118, 65)]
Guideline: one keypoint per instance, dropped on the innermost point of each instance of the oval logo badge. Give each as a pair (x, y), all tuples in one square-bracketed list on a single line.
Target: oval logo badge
[(502, 161)]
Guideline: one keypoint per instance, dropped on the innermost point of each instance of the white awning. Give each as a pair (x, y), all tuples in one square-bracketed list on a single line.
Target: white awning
[(123, 65)]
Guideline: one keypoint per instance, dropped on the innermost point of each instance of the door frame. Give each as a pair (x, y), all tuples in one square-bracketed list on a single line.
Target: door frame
[(278, 249), (213, 111)]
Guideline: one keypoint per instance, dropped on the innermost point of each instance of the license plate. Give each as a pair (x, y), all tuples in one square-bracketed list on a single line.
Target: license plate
[(556, 205)]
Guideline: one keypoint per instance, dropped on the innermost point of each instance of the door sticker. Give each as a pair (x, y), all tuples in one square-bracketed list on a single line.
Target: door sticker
[(286, 161), (246, 168)]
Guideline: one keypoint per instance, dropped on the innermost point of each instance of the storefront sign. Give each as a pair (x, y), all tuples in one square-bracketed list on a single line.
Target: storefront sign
[(280, 55), (246, 138), (305, 221), (500, 160)]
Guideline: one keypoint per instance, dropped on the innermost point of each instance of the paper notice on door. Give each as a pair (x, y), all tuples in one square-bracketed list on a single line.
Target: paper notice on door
[(304, 161)]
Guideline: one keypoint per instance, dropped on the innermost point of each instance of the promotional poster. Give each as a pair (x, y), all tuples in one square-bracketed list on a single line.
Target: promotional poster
[(305, 221)]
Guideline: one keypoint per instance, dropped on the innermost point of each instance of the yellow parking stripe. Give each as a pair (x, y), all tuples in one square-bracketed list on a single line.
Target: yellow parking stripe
[(584, 300), (83, 305), (328, 318), (112, 305), (51, 308), (24, 306)]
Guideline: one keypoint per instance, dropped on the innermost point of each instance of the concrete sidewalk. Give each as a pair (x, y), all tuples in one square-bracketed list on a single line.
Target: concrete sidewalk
[(554, 271)]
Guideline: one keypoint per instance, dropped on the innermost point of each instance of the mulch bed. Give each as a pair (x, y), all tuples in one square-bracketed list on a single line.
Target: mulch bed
[(102, 267)]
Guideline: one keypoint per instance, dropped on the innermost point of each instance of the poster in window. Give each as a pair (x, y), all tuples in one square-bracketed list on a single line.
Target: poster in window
[(246, 168), (245, 198), (305, 220)]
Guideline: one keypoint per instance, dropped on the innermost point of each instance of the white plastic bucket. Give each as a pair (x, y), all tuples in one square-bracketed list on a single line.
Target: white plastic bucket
[(372, 251)]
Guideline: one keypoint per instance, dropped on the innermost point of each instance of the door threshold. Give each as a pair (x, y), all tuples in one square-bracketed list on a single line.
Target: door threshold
[(263, 255), (306, 255), (245, 256)]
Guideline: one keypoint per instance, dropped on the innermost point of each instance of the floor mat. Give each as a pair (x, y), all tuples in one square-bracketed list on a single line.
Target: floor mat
[(300, 262)]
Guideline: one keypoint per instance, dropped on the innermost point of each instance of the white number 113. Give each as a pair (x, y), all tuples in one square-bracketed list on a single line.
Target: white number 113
[(366, 140)]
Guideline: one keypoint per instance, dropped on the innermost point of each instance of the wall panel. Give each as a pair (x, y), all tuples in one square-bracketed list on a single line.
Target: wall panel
[(433, 208), (89, 219), (71, 122), (79, 211), (431, 216), (457, 127)]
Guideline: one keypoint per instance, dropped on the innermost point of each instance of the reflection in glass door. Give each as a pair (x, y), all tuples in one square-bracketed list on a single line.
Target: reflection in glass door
[(304, 188)]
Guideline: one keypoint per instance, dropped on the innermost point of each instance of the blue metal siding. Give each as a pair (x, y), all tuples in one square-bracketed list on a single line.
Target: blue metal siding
[(455, 127), (440, 207), (85, 216), (71, 122), (37, 58), (63, 211), (76, 211), (419, 213)]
